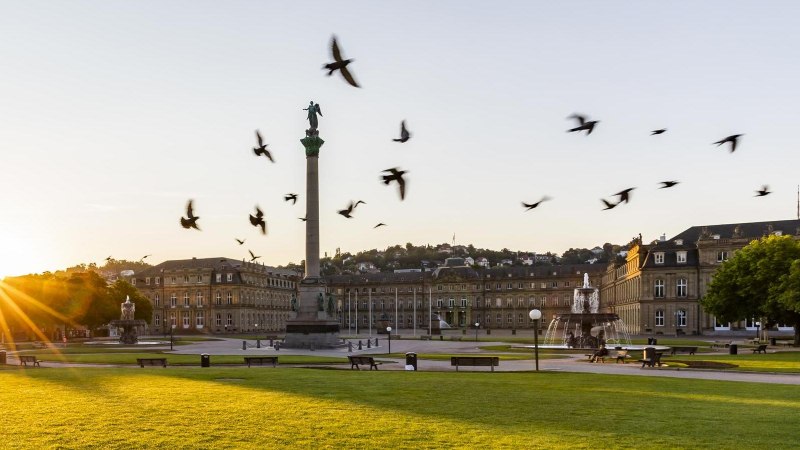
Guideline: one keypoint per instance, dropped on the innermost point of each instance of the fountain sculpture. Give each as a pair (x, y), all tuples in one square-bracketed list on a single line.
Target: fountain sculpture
[(584, 326), (127, 324)]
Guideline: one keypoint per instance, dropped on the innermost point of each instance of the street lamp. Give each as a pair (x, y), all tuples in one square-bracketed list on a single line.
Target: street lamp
[(258, 341), (171, 334), (389, 332), (535, 315), (477, 324), (758, 325)]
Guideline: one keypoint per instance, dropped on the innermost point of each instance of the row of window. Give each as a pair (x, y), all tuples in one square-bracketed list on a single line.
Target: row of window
[(200, 319), (680, 318), (451, 303), (228, 278), (462, 287), (199, 299), (722, 255), (681, 288)]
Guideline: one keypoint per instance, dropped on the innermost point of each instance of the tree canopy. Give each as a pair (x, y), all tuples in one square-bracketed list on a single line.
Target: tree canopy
[(760, 281)]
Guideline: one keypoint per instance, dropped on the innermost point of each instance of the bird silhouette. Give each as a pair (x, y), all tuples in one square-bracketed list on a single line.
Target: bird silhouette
[(191, 220), (109, 259), (141, 260), (292, 197), (240, 241), (347, 212), (659, 131), (379, 225), (530, 206), (302, 218), (668, 184), (262, 147), (258, 220), (404, 134), (733, 139), (358, 203), (764, 191), (608, 204), (253, 257), (396, 175), (339, 64), (583, 124), (624, 195)]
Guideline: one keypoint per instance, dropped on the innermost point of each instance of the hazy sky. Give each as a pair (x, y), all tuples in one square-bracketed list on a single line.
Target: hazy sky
[(113, 114)]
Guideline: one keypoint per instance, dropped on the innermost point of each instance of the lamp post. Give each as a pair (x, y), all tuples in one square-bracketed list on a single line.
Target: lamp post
[(389, 332), (171, 334), (758, 325), (535, 315), (258, 341), (477, 325)]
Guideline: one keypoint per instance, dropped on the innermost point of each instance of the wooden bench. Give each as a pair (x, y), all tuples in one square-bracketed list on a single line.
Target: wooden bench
[(151, 362), (490, 361), (261, 360), (426, 337), (25, 359), (356, 361), (653, 361), (689, 350), (762, 348)]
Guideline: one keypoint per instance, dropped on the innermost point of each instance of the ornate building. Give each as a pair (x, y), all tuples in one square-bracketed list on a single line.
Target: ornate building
[(217, 295), (658, 288)]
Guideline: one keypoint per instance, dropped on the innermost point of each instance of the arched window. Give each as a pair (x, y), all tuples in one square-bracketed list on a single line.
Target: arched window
[(682, 285), (658, 289)]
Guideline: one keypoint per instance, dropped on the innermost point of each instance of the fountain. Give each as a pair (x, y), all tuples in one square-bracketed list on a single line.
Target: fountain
[(584, 326), (127, 324)]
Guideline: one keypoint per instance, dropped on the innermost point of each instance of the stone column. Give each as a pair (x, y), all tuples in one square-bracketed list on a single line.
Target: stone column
[(312, 217)]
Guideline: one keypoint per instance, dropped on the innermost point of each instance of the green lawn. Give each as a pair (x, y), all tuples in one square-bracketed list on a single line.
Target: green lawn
[(173, 359), (305, 408), (446, 356), (788, 361)]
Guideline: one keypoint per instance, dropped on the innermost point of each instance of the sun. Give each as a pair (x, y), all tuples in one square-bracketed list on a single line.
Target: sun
[(19, 256)]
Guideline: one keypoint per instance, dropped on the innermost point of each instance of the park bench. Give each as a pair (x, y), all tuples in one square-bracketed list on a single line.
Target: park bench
[(622, 355), (690, 350), (490, 361), (718, 344), (261, 360), (356, 361), (762, 348), (151, 362), (652, 359), (25, 359), (426, 337)]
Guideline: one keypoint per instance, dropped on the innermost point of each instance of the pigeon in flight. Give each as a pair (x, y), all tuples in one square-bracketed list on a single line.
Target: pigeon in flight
[(262, 147), (347, 211), (396, 175), (583, 124), (240, 241), (733, 139), (292, 197), (339, 64), (109, 259), (764, 191), (141, 260), (191, 220), (608, 204), (253, 257), (258, 220), (668, 184), (359, 202), (659, 131), (404, 134), (530, 206), (379, 225), (302, 218), (624, 195)]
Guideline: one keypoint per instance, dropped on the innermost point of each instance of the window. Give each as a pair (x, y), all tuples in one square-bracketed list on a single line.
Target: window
[(218, 298), (157, 320), (186, 299), (147, 281), (186, 278), (229, 320), (659, 317), (438, 303), (199, 319), (157, 301), (158, 281), (463, 302), (199, 299), (543, 285), (658, 288), (229, 300), (722, 255), (172, 319), (229, 277), (133, 281), (681, 257), (566, 284), (681, 317), (659, 257), (186, 319), (554, 284), (199, 278), (173, 300), (173, 280), (219, 278), (488, 319), (510, 286), (219, 320), (519, 285), (682, 284), (510, 318), (499, 319), (439, 287), (520, 319), (451, 303)]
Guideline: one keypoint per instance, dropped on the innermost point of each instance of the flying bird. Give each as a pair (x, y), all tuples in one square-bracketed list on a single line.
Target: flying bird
[(292, 197), (379, 225), (258, 220), (733, 139), (339, 64), (404, 134), (253, 257), (302, 218), (530, 206), (109, 259), (624, 195), (262, 147), (240, 241), (141, 260), (608, 204), (584, 125), (659, 131), (764, 191), (347, 211), (668, 184), (396, 175), (191, 220), (359, 202)]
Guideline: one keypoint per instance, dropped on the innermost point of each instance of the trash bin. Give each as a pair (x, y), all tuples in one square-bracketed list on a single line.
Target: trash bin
[(655, 341), (773, 342), (411, 361), (649, 341), (205, 360), (733, 349), (3, 357)]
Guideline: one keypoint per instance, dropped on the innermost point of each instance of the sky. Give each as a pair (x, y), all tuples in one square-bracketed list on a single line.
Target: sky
[(113, 114)]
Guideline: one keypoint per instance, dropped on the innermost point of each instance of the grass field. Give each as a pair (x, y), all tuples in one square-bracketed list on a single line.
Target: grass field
[(788, 361), (306, 408), (172, 359)]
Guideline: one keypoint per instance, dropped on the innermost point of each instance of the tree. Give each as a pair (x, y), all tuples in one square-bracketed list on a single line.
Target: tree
[(760, 281)]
